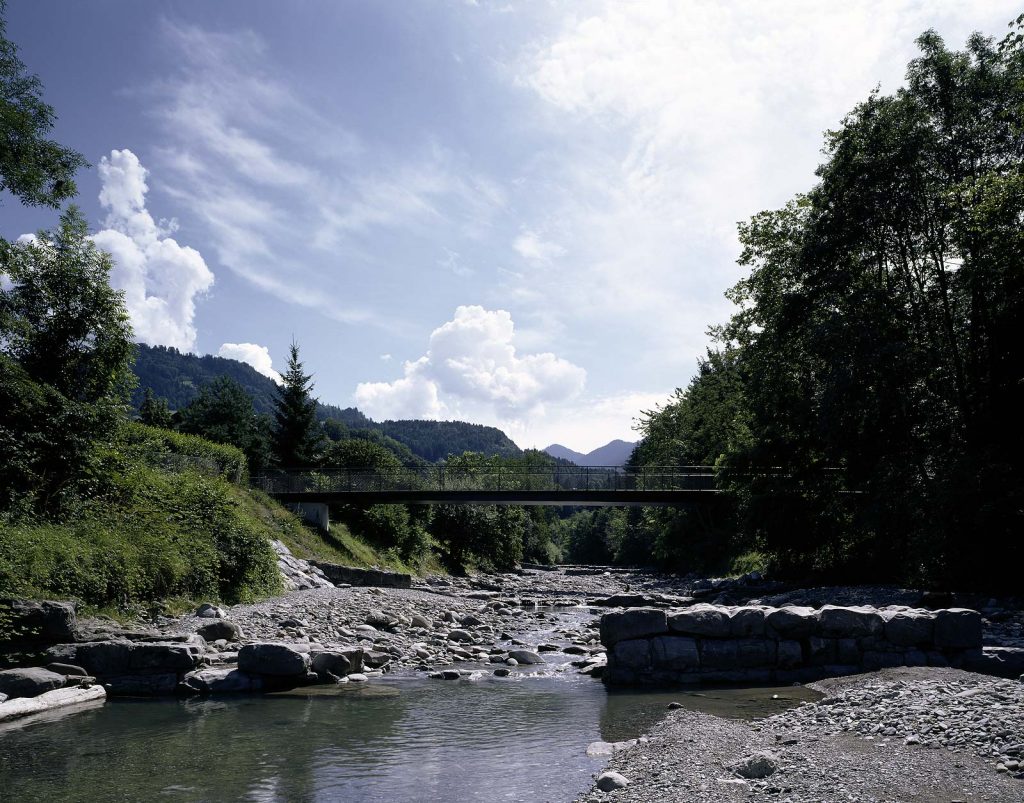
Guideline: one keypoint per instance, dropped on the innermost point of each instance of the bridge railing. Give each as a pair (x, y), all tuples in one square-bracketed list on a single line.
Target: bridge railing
[(443, 478)]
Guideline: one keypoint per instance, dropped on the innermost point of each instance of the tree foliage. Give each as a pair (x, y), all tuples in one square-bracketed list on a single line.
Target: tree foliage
[(65, 350), (39, 171), (223, 412), (875, 356), (153, 412)]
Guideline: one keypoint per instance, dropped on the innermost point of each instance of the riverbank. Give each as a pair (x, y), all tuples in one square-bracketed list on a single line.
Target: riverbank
[(928, 735), (876, 736)]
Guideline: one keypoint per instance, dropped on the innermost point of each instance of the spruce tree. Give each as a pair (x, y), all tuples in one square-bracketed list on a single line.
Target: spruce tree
[(154, 412), (297, 435)]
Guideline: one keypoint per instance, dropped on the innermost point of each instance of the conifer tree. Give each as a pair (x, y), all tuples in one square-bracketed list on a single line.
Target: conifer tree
[(153, 411), (297, 435)]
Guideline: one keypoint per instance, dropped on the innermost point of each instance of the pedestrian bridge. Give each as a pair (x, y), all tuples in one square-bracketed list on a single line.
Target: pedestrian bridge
[(592, 486)]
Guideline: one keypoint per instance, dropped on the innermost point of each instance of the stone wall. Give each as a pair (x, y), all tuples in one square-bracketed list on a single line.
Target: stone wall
[(363, 577), (757, 644)]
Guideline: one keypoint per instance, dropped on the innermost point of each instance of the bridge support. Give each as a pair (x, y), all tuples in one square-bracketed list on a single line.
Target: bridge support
[(315, 513)]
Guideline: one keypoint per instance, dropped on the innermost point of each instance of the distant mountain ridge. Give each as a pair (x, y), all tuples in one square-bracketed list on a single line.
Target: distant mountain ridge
[(613, 453), (177, 377)]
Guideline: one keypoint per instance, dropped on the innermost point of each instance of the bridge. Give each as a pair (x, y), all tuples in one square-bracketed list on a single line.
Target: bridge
[(594, 486)]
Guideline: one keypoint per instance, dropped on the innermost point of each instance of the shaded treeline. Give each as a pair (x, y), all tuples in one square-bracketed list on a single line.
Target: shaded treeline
[(875, 357)]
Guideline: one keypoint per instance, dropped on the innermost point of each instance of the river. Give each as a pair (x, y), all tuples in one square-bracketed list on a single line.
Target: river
[(393, 739)]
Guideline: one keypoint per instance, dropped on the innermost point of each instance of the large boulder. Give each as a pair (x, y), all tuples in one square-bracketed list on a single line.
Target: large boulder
[(98, 658), (38, 621), (610, 781), (336, 662), (525, 657), (163, 657), (278, 660), (701, 620), (958, 628), (715, 654), (219, 681), (674, 652), (909, 627), (747, 622), (791, 621), (838, 621), (29, 682), (632, 654), (149, 684), (757, 765), (635, 623), (221, 629)]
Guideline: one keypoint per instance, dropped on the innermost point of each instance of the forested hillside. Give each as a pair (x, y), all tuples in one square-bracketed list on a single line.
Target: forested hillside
[(436, 440), (178, 377)]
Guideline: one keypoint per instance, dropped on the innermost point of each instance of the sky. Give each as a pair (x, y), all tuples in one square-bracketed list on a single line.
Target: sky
[(520, 214)]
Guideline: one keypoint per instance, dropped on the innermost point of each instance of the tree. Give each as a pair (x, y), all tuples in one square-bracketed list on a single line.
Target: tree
[(154, 412), (879, 334), (223, 412), (65, 357), (37, 170), (297, 436)]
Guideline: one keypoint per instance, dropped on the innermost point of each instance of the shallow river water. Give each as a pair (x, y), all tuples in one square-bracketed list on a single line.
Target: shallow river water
[(393, 739)]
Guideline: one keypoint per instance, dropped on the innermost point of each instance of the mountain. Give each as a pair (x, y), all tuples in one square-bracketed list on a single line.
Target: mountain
[(436, 440), (177, 377), (615, 453)]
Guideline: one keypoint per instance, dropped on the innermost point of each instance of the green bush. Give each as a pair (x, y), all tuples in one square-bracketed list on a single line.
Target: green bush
[(161, 448), (150, 533)]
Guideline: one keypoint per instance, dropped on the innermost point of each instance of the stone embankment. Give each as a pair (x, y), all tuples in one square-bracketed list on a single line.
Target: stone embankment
[(760, 644)]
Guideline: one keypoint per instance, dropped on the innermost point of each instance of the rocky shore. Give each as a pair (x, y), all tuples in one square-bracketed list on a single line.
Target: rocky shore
[(929, 735), (922, 734)]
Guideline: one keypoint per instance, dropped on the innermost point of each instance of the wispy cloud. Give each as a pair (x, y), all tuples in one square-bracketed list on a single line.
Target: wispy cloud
[(290, 198)]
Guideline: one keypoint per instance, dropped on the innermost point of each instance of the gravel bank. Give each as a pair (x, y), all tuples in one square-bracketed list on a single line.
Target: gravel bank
[(866, 741)]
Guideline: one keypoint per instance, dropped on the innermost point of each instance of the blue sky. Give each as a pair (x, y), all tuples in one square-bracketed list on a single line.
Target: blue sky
[(516, 213)]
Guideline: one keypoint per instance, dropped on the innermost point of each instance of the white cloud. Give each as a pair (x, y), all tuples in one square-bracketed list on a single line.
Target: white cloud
[(472, 370), (529, 245), (160, 278), (295, 203), (679, 119), (252, 354)]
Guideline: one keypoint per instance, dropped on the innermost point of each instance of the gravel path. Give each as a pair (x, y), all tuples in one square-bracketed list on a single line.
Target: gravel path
[(816, 752)]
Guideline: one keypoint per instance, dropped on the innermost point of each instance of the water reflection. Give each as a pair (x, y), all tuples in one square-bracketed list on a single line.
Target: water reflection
[(393, 740)]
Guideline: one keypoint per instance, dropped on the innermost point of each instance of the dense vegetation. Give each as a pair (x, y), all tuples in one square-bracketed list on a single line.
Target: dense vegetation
[(179, 378), (875, 357), (436, 440)]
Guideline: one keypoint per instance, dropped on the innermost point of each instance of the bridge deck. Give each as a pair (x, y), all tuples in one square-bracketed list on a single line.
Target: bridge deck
[(569, 497)]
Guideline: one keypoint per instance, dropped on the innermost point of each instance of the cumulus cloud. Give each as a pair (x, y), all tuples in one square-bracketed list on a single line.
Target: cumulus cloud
[(252, 354), (471, 368), (161, 279)]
